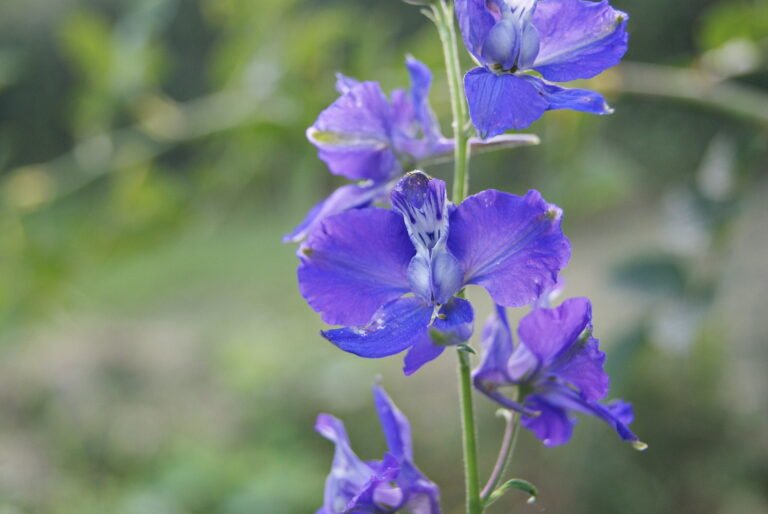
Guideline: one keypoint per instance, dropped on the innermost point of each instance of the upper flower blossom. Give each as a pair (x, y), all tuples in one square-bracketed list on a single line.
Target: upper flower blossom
[(391, 276), (561, 40), (393, 484), (367, 137), (557, 368)]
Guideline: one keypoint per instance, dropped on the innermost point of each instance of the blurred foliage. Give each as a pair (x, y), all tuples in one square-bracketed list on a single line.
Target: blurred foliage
[(727, 21), (156, 356)]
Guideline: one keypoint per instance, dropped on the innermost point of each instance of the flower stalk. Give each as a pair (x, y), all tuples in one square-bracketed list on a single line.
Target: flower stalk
[(469, 436), (443, 17), (512, 420), (442, 14)]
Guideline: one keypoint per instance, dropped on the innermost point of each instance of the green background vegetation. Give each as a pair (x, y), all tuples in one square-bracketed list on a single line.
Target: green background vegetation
[(156, 357)]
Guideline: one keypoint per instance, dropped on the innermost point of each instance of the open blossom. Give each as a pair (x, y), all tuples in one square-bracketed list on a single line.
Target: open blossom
[(393, 484), (391, 277), (557, 368), (371, 139), (560, 40)]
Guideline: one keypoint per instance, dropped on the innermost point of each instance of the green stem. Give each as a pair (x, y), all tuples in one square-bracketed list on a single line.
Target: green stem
[(469, 436), (444, 20), (443, 17)]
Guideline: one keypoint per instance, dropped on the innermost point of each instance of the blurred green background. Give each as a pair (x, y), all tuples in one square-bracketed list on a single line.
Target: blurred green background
[(156, 357)]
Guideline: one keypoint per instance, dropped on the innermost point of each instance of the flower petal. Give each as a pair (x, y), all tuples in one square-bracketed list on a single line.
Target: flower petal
[(421, 81), (582, 100), (416, 134), (553, 425), (584, 370), (377, 490), (395, 327), (455, 322), (617, 414), (344, 83), (497, 348), (502, 364), (343, 199), (561, 339), (453, 325), (498, 103), (354, 263), (510, 245), (550, 333), (348, 473), (422, 496), (421, 353), (352, 135), (434, 274), (419, 495), (394, 424), (333, 429), (475, 22), (423, 203), (578, 39)]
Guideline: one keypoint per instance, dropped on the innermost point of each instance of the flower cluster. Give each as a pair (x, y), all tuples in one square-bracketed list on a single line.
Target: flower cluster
[(387, 258)]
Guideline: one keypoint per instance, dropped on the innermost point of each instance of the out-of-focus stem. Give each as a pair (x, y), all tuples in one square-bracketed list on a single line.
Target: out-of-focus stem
[(693, 86), (505, 453)]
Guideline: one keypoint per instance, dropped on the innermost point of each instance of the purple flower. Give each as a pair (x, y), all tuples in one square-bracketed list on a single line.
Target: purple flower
[(376, 487), (371, 139), (391, 277), (562, 40), (557, 368)]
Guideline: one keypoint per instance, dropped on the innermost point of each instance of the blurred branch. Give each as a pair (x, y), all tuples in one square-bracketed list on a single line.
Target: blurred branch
[(696, 87), (480, 146), (166, 125)]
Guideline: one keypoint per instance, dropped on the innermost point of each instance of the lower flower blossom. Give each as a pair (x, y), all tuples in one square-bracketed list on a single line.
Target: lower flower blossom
[(557, 370), (393, 484)]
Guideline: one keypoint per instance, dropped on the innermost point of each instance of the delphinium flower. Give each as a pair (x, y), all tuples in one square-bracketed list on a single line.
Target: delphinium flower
[(371, 139), (391, 277), (558, 40), (393, 484), (557, 369)]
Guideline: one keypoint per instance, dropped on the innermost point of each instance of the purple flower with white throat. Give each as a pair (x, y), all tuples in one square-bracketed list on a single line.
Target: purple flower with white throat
[(559, 40), (371, 139), (391, 277), (557, 368), (393, 484)]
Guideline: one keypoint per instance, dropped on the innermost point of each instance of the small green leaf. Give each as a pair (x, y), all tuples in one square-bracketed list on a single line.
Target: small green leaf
[(515, 483)]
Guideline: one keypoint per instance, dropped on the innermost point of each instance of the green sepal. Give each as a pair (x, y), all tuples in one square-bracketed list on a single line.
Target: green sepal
[(466, 349)]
